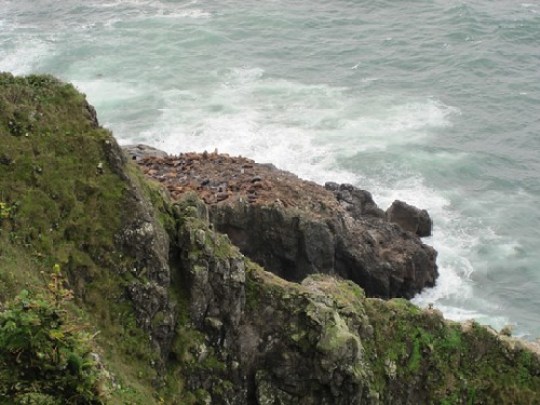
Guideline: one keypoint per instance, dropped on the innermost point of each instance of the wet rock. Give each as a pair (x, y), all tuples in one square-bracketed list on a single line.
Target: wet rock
[(295, 228), (359, 203), (410, 218)]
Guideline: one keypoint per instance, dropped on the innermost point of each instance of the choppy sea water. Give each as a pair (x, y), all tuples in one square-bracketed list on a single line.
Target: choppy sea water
[(433, 102)]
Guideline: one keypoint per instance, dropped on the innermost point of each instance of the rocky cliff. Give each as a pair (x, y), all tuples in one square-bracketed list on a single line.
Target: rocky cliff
[(294, 228), (178, 314)]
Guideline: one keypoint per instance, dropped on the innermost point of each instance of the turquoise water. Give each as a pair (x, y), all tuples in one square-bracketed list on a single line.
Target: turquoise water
[(433, 102)]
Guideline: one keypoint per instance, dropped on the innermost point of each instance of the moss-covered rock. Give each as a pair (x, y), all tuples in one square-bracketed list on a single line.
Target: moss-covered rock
[(324, 342), (70, 202)]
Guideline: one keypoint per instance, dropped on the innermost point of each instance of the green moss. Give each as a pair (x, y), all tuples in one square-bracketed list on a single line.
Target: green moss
[(65, 205), (252, 288), (454, 366), (336, 335)]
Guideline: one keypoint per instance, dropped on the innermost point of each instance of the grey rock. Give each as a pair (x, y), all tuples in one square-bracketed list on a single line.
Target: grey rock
[(145, 241), (91, 114), (140, 151), (410, 218), (358, 203), (372, 252)]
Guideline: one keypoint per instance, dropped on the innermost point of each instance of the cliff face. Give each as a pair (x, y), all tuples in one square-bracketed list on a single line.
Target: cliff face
[(180, 315), (324, 342)]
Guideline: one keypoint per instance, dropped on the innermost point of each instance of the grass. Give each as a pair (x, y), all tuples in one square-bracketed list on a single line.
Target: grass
[(63, 203)]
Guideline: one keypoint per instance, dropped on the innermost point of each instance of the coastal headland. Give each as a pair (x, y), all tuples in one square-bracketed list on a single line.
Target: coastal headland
[(202, 278)]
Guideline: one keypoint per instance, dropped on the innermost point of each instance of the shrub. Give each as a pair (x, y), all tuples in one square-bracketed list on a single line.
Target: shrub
[(45, 356)]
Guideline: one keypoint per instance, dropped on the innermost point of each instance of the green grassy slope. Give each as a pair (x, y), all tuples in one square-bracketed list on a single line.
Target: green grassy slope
[(62, 203)]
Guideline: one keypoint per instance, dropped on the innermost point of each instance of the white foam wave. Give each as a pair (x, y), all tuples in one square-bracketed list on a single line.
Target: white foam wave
[(299, 127), (156, 8), (193, 13), (264, 119), (106, 93), (396, 122), (453, 238), (416, 116), (25, 56), (241, 76)]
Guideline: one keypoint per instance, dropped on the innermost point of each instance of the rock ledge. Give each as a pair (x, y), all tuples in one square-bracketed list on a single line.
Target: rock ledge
[(294, 227)]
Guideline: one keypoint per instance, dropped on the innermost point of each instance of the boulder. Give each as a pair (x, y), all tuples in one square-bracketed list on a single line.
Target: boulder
[(359, 203), (410, 218), (140, 151)]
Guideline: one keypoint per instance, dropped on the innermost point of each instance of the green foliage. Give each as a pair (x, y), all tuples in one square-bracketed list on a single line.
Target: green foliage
[(457, 365), (45, 356), (5, 211), (63, 201)]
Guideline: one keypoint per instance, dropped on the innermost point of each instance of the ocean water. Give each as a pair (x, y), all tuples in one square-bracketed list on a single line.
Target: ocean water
[(434, 102)]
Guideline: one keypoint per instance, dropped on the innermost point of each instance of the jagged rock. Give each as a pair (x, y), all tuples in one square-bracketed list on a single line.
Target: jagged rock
[(375, 254), (154, 311), (301, 349), (91, 114), (144, 239), (410, 218), (322, 341), (359, 203)]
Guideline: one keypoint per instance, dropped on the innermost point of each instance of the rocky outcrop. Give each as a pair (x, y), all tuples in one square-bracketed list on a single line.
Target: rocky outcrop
[(294, 227), (268, 341), (177, 314), (358, 203), (139, 151), (377, 255), (410, 218), (143, 239)]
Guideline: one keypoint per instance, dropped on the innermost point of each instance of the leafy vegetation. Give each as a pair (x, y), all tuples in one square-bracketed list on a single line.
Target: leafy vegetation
[(456, 364), (46, 355)]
